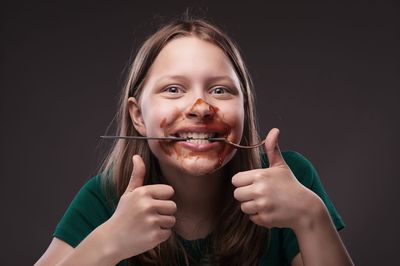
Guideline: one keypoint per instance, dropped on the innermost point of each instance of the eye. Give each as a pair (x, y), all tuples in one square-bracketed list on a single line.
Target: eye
[(173, 89), (219, 90)]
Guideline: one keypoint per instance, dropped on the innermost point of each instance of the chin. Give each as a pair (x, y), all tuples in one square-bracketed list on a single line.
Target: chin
[(194, 163), (200, 166), (200, 170)]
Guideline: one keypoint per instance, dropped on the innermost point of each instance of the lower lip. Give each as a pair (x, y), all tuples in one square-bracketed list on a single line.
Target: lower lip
[(199, 147)]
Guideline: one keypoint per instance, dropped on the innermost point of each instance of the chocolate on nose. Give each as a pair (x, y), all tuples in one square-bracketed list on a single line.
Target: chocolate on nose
[(200, 103), (200, 110)]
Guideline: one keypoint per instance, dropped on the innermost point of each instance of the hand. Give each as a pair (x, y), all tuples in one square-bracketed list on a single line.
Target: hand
[(273, 197), (143, 217)]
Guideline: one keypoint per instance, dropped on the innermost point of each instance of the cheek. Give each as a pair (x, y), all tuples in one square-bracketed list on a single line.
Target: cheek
[(235, 119), (156, 119), (240, 120)]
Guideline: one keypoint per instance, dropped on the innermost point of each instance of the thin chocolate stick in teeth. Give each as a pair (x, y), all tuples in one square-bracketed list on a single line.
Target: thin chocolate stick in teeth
[(161, 138), (251, 146)]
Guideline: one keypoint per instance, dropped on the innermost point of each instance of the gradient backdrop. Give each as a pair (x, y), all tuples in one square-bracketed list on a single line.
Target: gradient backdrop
[(326, 74)]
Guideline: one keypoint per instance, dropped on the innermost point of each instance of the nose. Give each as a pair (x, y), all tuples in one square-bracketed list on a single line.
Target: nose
[(200, 110)]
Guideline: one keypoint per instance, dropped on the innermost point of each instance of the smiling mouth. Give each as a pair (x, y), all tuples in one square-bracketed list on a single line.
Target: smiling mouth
[(197, 137)]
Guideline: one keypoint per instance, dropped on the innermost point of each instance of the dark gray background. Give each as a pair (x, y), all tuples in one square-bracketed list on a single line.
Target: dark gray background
[(326, 74)]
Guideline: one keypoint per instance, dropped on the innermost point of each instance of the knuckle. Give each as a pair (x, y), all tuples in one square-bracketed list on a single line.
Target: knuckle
[(142, 191), (260, 190), (146, 206), (258, 176), (152, 221), (260, 204), (265, 206)]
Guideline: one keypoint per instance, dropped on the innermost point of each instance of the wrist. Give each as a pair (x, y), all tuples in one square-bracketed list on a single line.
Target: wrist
[(107, 250), (314, 214), (95, 249)]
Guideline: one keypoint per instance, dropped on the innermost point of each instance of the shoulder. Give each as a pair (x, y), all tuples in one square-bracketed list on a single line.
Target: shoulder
[(89, 208), (96, 191), (296, 160), (93, 184), (91, 189)]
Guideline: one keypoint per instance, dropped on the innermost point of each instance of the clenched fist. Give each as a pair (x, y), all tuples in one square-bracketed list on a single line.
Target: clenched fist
[(144, 215), (273, 197)]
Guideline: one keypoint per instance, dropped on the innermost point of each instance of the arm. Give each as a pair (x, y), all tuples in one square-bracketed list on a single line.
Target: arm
[(142, 220), (95, 249), (273, 197), (319, 242), (89, 252), (57, 250)]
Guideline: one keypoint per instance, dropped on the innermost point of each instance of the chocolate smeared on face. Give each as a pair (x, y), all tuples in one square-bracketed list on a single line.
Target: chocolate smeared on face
[(180, 99), (212, 123), (200, 101)]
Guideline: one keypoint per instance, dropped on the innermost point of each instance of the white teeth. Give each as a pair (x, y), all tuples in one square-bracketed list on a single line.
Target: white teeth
[(198, 141), (196, 137)]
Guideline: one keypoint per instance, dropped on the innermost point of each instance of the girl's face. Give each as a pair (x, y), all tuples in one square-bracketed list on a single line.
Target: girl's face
[(191, 90)]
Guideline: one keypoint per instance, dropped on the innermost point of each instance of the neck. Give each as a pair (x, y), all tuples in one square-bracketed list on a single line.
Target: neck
[(197, 198)]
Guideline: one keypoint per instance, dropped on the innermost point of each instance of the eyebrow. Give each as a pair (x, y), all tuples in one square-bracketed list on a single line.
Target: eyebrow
[(210, 80)]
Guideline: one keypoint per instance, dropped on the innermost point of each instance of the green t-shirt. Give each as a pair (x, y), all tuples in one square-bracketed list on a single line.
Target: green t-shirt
[(90, 208)]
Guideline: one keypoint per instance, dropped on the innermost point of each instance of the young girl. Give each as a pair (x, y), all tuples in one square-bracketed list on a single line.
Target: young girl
[(195, 201)]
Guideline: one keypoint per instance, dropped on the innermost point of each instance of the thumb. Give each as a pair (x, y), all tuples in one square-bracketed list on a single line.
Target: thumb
[(138, 172), (274, 154)]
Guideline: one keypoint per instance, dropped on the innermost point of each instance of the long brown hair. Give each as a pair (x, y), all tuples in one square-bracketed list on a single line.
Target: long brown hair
[(235, 240)]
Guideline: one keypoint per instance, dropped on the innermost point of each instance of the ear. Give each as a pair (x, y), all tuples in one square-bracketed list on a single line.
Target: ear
[(136, 116)]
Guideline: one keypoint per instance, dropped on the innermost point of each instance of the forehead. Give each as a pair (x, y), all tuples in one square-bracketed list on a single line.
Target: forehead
[(192, 57)]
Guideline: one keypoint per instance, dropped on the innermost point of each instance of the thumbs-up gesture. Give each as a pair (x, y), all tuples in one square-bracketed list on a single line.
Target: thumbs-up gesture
[(144, 215), (273, 197)]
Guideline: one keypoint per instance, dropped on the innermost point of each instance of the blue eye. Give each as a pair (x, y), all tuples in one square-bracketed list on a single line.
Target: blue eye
[(173, 89), (219, 90)]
